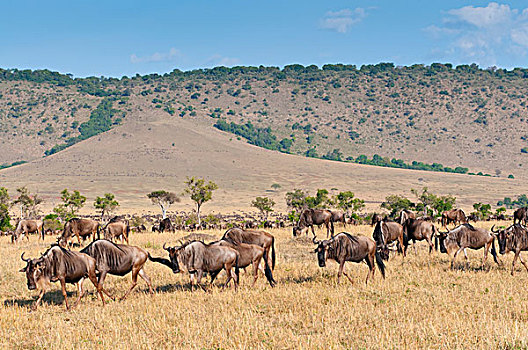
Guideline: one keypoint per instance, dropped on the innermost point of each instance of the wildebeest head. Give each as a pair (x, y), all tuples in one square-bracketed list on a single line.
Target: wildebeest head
[(322, 250), (34, 271), (173, 255), (441, 238), (503, 236)]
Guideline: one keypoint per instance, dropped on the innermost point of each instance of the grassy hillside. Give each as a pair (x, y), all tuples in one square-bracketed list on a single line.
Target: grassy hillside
[(455, 117)]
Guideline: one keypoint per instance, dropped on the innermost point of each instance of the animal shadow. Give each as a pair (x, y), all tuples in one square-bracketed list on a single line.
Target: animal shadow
[(50, 298)]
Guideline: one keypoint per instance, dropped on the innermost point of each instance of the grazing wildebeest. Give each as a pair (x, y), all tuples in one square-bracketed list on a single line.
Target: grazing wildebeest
[(343, 247), (25, 227), (513, 239), (338, 216), (165, 225), (118, 259), (311, 217), (197, 257), (80, 228), (386, 232), (472, 217), (520, 216), (59, 264), (375, 219), (418, 230), (406, 214), (117, 229), (261, 238), (455, 216), (467, 236), (249, 254)]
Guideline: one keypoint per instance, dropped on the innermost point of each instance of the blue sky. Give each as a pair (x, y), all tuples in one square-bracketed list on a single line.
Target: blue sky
[(116, 38)]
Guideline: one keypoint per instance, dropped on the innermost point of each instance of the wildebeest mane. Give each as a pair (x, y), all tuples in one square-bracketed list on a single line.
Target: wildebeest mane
[(378, 234), (343, 245), (106, 253)]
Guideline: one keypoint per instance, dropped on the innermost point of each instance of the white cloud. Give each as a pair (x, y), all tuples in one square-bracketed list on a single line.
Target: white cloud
[(219, 60), (170, 56), (341, 21), (482, 34)]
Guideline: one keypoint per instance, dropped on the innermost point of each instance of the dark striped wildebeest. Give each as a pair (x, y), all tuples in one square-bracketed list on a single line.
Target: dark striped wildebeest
[(311, 217), (80, 228), (250, 254), (513, 239), (520, 216), (455, 216), (418, 230), (197, 257), (261, 238), (467, 236), (386, 232), (344, 247), (118, 259), (59, 264)]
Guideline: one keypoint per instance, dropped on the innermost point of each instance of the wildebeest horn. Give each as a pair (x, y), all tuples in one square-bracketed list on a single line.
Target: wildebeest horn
[(167, 249), (22, 257), (494, 230), (315, 241)]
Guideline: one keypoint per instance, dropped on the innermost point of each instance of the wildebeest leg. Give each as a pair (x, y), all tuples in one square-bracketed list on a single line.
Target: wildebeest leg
[(100, 282), (369, 259), (486, 248), (80, 291), (465, 254), (78, 238), (146, 278), (430, 242), (199, 275), (37, 303), (523, 262), (135, 271), (313, 231), (340, 272), (454, 257), (414, 247), (256, 264), (513, 262), (64, 293), (346, 274), (99, 287)]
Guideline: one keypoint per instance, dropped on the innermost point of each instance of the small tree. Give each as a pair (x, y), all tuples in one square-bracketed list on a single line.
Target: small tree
[(5, 219), (296, 200), (347, 202), (264, 205), (200, 192), (320, 200), (500, 211), (276, 186), (482, 210), (27, 202), (396, 203), (164, 199), (106, 204), (71, 204)]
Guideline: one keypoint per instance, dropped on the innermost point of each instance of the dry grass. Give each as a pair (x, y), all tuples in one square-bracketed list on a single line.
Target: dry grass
[(421, 304)]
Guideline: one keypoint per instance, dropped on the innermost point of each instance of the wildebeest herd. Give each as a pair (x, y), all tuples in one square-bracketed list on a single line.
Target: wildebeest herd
[(240, 247)]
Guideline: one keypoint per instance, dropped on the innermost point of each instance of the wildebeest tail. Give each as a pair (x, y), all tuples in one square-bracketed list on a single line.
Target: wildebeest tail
[(42, 233), (162, 261), (273, 253), (435, 239), (98, 231), (494, 252), (237, 270), (381, 265), (405, 237), (268, 274)]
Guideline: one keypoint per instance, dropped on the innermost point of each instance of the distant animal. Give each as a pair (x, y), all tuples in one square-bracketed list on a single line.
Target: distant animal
[(455, 216), (375, 219), (250, 254), (344, 247), (119, 260), (197, 258), (117, 229), (261, 238), (467, 236), (59, 264), (386, 232), (339, 216), (406, 214), (418, 230), (513, 239), (472, 217), (311, 217), (80, 228), (520, 216), (25, 227), (166, 225)]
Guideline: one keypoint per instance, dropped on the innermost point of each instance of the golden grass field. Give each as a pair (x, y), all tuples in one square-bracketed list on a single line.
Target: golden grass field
[(421, 304)]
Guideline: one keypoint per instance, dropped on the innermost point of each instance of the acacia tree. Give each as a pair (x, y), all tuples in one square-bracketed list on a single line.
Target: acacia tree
[(199, 192), (106, 204), (347, 202), (71, 204), (5, 219), (264, 205), (27, 202), (164, 199)]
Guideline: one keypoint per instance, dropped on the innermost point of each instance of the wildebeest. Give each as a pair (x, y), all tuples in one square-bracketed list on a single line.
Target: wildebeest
[(339, 216), (513, 239), (80, 228), (118, 259), (455, 216), (375, 219), (117, 229), (261, 238), (250, 254), (520, 216), (406, 214), (467, 236), (59, 264), (344, 247), (386, 232), (418, 230), (25, 227), (165, 225), (311, 217), (197, 257)]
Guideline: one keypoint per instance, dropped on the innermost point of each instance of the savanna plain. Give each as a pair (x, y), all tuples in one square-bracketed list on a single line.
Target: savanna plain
[(422, 303)]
